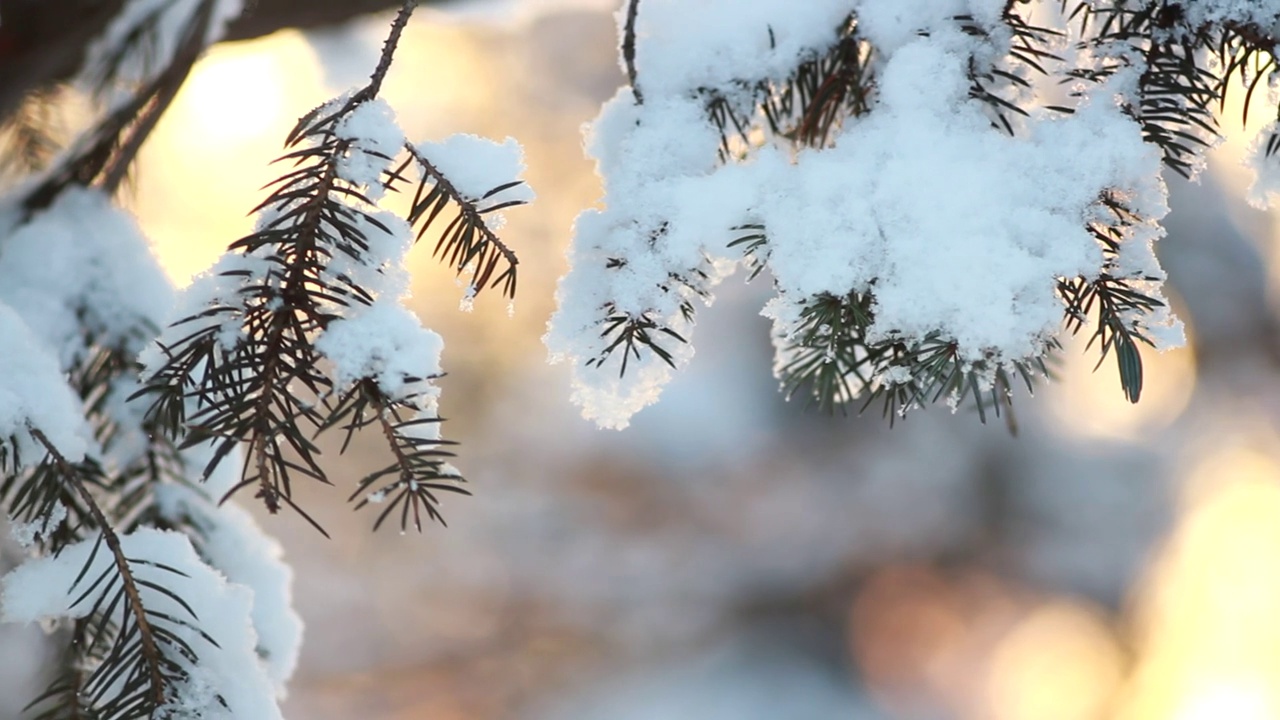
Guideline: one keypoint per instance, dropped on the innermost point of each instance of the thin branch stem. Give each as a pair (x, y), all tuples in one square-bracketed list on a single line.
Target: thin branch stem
[(150, 651), (389, 47), (629, 48), (469, 211)]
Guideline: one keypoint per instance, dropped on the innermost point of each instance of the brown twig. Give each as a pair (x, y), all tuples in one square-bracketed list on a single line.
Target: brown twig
[(150, 651), (389, 47)]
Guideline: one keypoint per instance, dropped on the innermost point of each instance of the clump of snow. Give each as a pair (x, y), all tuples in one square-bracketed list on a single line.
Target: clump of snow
[(683, 45), (385, 342), (954, 228), (230, 540), (82, 276), (375, 140), (891, 24), (1263, 13), (83, 268), (34, 394), (46, 588), (1263, 158), (475, 166)]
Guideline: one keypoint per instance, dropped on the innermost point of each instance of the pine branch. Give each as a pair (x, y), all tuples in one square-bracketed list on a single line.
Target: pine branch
[(420, 467), (1029, 52), (248, 369), (149, 694), (466, 242)]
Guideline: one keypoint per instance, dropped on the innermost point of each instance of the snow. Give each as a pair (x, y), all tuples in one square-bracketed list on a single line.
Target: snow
[(892, 24), (954, 227), (29, 533), (45, 589), (1264, 13), (375, 141), (476, 165), (231, 541), (385, 342), (34, 394), (82, 267), (677, 49)]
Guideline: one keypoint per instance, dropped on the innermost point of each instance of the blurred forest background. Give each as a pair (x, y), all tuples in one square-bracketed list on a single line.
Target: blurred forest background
[(732, 556)]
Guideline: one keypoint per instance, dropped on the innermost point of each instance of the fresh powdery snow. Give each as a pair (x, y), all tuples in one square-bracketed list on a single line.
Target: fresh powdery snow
[(375, 139), (219, 685), (1264, 13), (475, 166), (80, 273), (955, 227), (231, 541), (34, 394), (385, 342)]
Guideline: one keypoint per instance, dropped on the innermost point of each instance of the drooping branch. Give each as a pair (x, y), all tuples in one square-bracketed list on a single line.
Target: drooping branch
[(150, 651)]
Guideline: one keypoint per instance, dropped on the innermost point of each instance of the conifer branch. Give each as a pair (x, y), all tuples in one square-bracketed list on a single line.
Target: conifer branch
[(150, 653), (466, 241)]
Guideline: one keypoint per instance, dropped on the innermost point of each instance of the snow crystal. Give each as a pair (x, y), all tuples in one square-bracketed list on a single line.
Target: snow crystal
[(1264, 161), (45, 588), (27, 534)]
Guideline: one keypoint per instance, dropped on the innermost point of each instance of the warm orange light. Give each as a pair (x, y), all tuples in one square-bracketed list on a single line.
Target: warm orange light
[(1091, 404), (1209, 630), (234, 94), (202, 169), (1060, 663), (1238, 701)]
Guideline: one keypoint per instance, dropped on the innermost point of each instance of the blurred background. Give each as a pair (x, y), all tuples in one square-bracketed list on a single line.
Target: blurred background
[(732, 556)]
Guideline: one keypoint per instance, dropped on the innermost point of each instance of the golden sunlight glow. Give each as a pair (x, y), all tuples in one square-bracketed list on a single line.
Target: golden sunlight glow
[(202, 169), (235, 94), (1060, 663), (1091, 404), (1239, 701), (1209, 633)]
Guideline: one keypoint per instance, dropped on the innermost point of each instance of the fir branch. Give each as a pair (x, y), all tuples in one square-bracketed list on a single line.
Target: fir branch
[(246, 370), (151, 660), (420, 467), (466, 241), (1029, 52), (631, 333), (1121, 308)]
